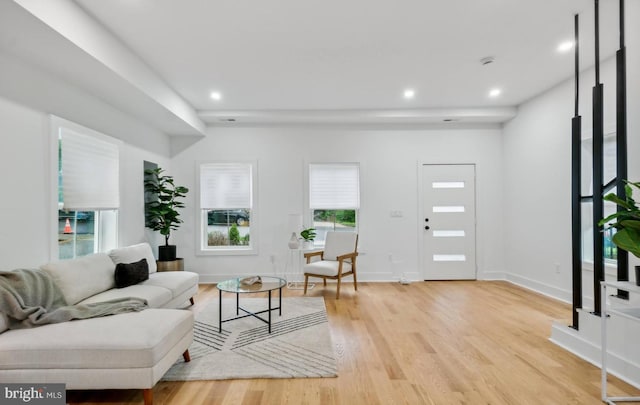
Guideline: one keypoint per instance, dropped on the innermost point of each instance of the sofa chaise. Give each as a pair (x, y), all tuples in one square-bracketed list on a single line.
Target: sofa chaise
[(126, 351)]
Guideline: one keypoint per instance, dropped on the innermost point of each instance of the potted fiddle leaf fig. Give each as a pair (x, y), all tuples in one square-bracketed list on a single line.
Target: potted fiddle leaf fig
[(626, 221), (162, 210)]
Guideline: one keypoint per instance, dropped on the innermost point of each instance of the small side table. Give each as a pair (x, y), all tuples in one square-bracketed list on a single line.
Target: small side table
[(170, 265), (296, 257)]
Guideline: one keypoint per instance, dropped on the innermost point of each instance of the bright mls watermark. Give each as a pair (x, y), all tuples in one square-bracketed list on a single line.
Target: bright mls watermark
[(39, 394)]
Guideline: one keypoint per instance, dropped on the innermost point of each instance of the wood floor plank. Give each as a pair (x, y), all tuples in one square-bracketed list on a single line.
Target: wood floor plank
[(445, 342)]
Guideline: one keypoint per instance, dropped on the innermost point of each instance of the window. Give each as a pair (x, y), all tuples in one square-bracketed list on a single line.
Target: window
[(334, 198), (88, 190), (228, 221), (609, 172)]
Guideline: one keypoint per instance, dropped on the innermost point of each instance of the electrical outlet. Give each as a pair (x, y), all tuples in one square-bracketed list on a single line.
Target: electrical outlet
[(396, 214)]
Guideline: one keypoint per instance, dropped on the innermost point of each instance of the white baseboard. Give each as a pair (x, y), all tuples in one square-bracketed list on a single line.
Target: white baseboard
[(582, 346), (492, 275), (541, 288)]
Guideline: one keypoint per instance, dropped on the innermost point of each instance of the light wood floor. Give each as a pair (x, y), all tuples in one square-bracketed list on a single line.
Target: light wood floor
[(470, 342)]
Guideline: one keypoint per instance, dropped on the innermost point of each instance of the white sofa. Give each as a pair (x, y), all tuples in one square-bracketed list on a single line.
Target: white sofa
[(126, 351)]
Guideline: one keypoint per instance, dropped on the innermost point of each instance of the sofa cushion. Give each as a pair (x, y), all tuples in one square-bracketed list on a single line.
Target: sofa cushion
[(176, 281), (131, 340), (134, 253), (156, 297), (127, 274), (82, 277)]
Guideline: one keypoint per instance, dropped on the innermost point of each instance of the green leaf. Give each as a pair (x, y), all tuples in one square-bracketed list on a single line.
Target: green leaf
[(629, 240)]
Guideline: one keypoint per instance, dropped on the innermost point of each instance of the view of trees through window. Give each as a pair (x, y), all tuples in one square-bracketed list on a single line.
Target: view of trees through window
[(228, 227), (333, 220)]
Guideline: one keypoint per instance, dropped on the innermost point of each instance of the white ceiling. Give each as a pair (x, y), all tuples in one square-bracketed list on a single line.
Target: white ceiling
[(347, 61)]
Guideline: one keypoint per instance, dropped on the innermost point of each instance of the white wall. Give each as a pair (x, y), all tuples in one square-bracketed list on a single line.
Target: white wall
[(26, 200), (537, 180), (389, 161), (24, 213), (537, 193)]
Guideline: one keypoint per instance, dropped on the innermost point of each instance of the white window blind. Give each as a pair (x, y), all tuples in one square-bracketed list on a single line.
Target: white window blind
[(90, 172), (334, 186), (225, 186)]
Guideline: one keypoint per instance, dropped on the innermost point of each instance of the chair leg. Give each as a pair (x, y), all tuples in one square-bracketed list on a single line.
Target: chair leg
[(186, 356), (147, 394), (338, 292), (355, 279), (324, 280), (306, 281)]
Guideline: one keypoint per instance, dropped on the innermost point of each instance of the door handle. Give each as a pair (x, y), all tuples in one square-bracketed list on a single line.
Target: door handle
[(426, 227)]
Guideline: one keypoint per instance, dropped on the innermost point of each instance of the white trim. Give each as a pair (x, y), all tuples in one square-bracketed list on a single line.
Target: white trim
[(55, 123), (253, 223), (575, 342), (541, 288)]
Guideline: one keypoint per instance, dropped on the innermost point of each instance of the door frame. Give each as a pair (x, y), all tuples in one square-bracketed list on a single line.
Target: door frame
[(421, 213)]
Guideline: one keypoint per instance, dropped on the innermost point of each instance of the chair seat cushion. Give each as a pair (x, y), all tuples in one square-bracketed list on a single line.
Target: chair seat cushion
[(131, 340), (326, 268)]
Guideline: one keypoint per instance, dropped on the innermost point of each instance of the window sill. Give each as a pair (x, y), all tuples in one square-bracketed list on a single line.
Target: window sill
[(227, 252)]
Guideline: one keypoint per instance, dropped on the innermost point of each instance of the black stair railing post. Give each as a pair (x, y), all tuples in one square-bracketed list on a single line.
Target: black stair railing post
[(621, 142), (598, 143), (576, 208)]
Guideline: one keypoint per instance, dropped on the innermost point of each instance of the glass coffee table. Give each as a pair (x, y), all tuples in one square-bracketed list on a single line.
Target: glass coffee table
[(235, 286)]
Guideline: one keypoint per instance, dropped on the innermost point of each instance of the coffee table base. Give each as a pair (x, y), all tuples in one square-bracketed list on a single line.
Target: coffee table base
[(249, 313), (299, 285)]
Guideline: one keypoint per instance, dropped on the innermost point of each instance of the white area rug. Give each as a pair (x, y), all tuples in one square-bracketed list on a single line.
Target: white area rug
[(299, 345)]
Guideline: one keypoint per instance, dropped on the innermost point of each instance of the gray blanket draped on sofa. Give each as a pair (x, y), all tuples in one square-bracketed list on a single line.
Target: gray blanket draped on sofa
[(31, 298)]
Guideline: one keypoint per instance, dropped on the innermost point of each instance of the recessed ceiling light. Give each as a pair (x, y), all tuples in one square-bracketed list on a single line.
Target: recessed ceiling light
[(565, 46), (494, 92), (409, 94), (216, 95)]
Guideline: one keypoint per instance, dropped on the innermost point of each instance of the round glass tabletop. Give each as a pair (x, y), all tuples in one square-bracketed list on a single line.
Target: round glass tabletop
[(240, 285)]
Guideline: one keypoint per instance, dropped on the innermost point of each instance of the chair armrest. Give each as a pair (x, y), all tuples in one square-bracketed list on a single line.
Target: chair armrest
[(309, 255), (351, 255)]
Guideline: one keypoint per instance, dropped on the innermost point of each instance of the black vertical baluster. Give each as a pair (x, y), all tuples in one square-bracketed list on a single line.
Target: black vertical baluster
[(576, 209), (621, 142), (598, 205)]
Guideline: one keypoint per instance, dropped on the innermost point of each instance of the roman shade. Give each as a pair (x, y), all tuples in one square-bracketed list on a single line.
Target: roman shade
[(225, 186), (334, 186), (90, 171)]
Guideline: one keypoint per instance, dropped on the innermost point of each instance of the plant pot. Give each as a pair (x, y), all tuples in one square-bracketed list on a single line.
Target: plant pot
[(637, 275), (166, 253)]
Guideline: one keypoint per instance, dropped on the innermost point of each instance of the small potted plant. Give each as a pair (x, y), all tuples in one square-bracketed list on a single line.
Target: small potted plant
[(308, 235), (626, 221), (162, 211)]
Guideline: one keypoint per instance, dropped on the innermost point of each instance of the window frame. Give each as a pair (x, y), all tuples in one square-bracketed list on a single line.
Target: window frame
[(308, 217), (101, 241), (201, 215)]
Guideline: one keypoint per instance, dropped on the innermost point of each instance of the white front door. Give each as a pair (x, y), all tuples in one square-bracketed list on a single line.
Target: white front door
[(449, 222)]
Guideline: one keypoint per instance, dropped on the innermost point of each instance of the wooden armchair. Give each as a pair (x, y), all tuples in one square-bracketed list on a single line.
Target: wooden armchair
[(337, 260)]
